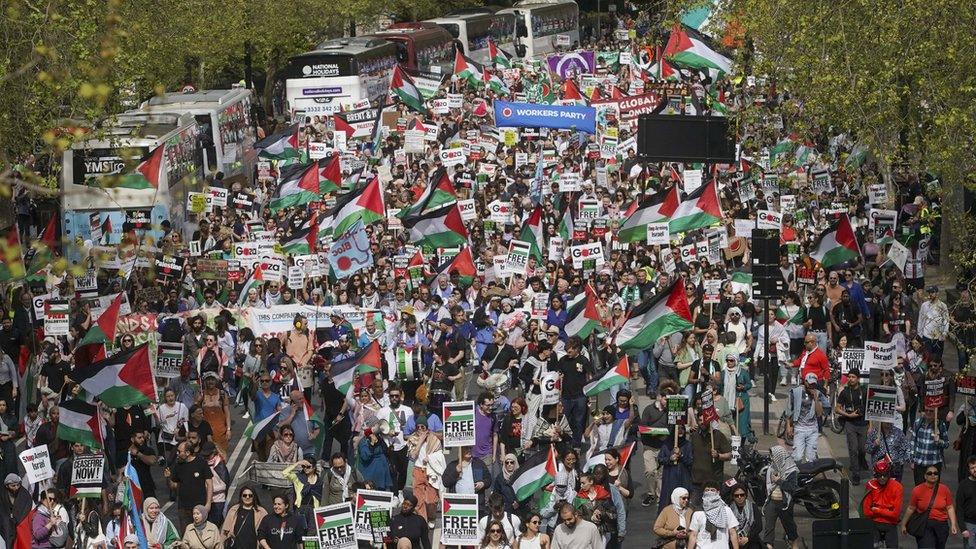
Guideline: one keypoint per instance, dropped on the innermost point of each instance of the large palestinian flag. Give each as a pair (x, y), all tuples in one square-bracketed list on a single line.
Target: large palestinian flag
[(537, 472), (698, 210), (403, 87), (102, 331), (614, 376), (655, 318), (80, 422), (439, 191), (689, 49), (124, 379), (304, 183), (280, 146), (466, 69), (365, 203), (305, 239), (440, 228), (582, 315), (498, 56), (147, 173), (836, 245), (654, 209)]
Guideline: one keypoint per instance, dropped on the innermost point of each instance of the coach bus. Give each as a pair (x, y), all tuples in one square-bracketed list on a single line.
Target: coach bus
[(339, 70), (538, 26), (95, 198), (224, 119), (473, 27), (421, 47)]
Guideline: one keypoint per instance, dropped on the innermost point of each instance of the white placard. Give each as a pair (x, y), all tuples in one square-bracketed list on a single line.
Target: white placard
[(556, 248), (413, 141), (880, 356), (318, 150), (587, 251), (878, 193), (218, 196), (468, 210), (451, 157), (692, 180), (657, 233), (440, 106), (787, 204), (570, 182), (898, 254), (768, 219), (37, 463), (296, 277), (500, 212), (455, 100)]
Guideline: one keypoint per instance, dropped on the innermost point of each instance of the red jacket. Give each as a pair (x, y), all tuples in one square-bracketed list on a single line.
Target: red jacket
[(883, 503), (817, 363)]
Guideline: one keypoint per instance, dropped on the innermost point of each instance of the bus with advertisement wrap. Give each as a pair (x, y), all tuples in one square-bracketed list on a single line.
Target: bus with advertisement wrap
[(473, 27), (423, 47), (98, 207), (343, 70), (540, 24), (226, 127)]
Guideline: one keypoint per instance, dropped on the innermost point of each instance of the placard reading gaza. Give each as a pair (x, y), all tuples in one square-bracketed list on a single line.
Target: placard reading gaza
[(459, 519), (458, 423)]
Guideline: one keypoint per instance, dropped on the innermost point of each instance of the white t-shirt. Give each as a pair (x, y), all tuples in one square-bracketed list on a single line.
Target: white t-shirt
[(170, 419), (705, 540)]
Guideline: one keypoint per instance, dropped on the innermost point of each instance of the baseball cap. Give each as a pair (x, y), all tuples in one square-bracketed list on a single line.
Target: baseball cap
[(810, 378)]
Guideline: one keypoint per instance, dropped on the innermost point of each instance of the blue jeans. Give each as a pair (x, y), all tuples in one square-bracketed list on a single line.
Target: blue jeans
[(648, 369), (822, 341), (805, 441), (575, 410)]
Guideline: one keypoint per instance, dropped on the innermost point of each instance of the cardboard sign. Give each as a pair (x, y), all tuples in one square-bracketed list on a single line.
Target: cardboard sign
[(366, 501), (469, 211), (169, 359), (500, 212), (584, 252), (898, 254), (658, 234), (713, 291), (589, 208), (693, 180), (296, 277), (877, 194), (335, 527), (37, 463), (459, 519), (451, 157), (556, 248), (540, 305), (570, 182), (677, 409), (935, 393), (708, 414), (86, 475), (413, 142), (880, 405), (768, 219), (518, 257), (880, 356), (56, 317), (458, 423)]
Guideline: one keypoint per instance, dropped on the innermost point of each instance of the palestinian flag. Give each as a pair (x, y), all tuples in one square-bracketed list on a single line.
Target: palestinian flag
[(535, 473), (782, 149), (334, 516), (566, 226), (698, 210), (132, 499), (103, 329), (783, 317), (305, 183), (124, 379), (147, 173), (532, 233), (439, 191), (494, 83), (280, 146), (373, 499), (616, 93), (582, 315), (836, 245), (742, 282), (304, 240), (655, 318), (595, 95), (342, 125), (368, 359), (625, 451), (654, 209), (402, 86), (661, 69), (572, 92), (256, 280), (12, 267), (689, 49), (365, 203), (458, 411), (81, 422), (498, 56), (614, 376), (440, 228), (462, 264), (466, 69), (263, 428), (24, 534)]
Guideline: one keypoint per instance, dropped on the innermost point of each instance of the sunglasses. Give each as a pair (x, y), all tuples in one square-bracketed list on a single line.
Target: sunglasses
[(495, 531), (739, 495), (247, 495), (536, 521), (287, 434), (931, 473), (509, 462)]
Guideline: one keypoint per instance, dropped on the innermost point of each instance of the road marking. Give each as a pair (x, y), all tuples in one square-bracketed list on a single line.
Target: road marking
[(237, 461)]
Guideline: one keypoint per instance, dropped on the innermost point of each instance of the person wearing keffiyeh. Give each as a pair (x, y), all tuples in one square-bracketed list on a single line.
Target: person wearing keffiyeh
[(781, 479), (715, 526)]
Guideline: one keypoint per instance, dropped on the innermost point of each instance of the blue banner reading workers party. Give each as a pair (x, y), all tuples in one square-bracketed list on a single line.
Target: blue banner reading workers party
[(533, 115)]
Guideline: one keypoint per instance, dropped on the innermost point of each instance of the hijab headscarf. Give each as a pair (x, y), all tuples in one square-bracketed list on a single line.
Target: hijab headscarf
[(157, 529), (676, 496), (505, 474), (203, 512)]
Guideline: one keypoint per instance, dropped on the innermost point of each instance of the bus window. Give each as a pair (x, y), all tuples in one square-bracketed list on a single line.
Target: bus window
[(452, 28), (402, 53)]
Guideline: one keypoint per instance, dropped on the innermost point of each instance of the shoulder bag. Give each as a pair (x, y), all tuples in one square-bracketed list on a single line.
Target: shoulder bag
[(918, 522)]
